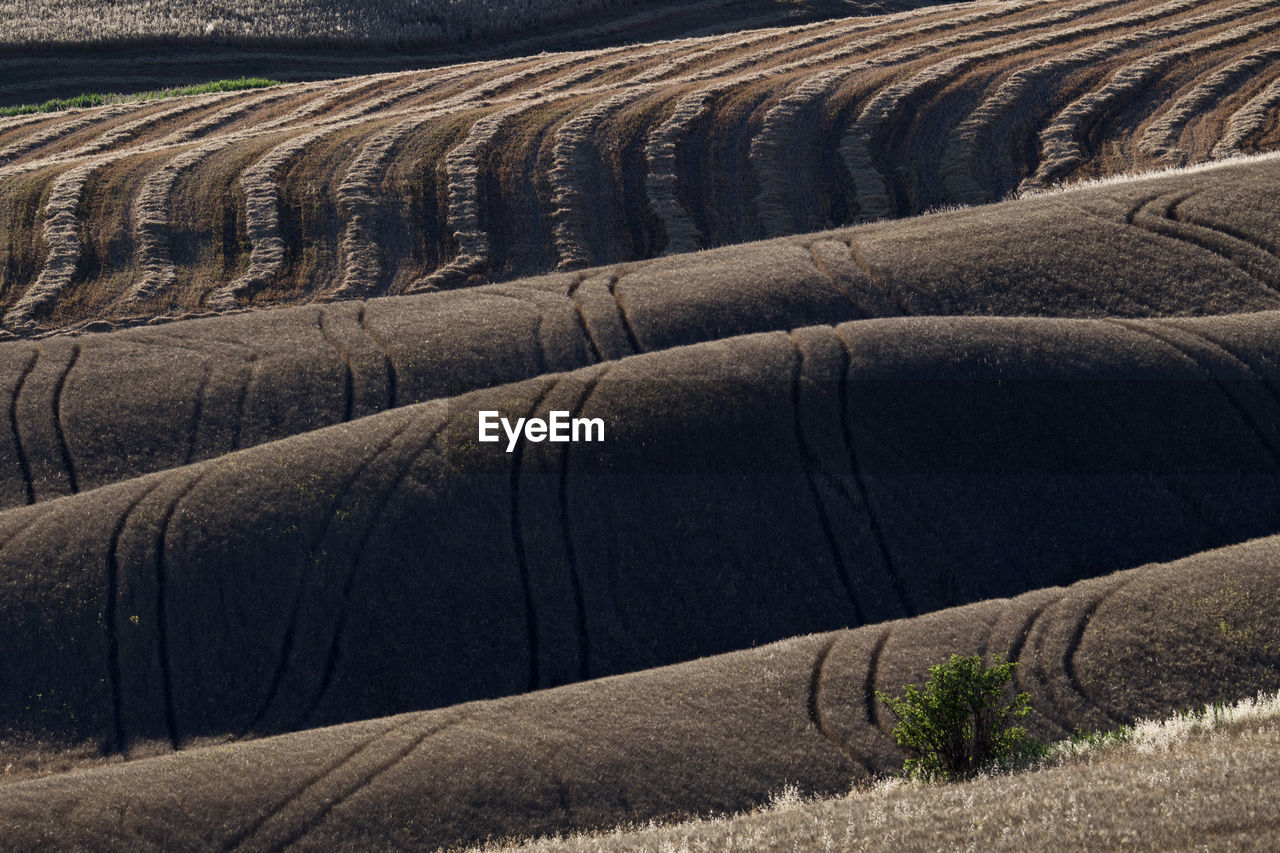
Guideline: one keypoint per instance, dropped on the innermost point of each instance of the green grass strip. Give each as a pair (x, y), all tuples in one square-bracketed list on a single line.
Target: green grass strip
[(97, 100)]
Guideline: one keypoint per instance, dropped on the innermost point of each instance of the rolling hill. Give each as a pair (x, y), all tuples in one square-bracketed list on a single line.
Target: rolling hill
[(950, 329)]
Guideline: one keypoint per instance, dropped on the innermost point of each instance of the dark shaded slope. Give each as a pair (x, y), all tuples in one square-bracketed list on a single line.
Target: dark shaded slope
[(151, 398), (748, 489), (715, 734), (164, 51)]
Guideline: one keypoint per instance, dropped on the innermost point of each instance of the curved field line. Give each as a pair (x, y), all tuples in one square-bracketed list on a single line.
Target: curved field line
[(381, 503), (1255, 261), (593, 346), (1073, 646), (571, 154), (359, 196), (462, 166), (814, 707), (162, 604), (859, 479), (1160, 139), (662, 181), (771, 149), (968, 141), (125, 132), (27, 144), (571, 557), (24, 465), (839, 562), (1061, 142), (872, 193), (61, 232), (1247, 121), (871, 706), (518, 549), (1150, 331), (1022, 675), (62, 225), (255, 828), (262, 196), (314, 550), (328, 804), (151, 206), (348, 372), (119, 734)]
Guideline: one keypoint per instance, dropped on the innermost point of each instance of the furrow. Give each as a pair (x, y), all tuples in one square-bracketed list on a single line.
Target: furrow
[(1160, 139), (839, 562), (836, 281), (570, 178), (1073, 646), (772, 151), (662, 142), (1062, 141), (334, 649), (622, 316), (462, 165), (518, 549), (119, 742), (348, 376), (1022, 674), (260, 184), (571, 555), (59, 432), (1248, 121), (864, 494), (19, 450), (248, 837), (569, 175), (1150, 331), (197, 413), (262, 222), (873, 195), (870, 700), (125, 133), (968, 144), (61, 232), (593, 347), (162, 605), (78, 122), (364, 780), (878, 280), (359, 195), (242, 399), (314, 552), (1252, 260), (393, 374), (814, 707)]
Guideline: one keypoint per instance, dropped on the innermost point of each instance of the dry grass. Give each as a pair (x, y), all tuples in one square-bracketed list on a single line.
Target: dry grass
[(664, 148), (1188, 782), (261, 587)]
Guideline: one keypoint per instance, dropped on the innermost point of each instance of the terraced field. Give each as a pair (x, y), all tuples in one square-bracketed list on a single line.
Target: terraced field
[(263, 585), (403, 183)]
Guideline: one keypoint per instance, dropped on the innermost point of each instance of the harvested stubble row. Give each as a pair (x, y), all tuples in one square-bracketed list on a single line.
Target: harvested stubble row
[(609, 155), (722, 733), (92, 410)]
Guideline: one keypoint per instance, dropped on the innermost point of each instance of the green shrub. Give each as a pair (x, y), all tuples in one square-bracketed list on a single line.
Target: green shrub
[(960, 724)]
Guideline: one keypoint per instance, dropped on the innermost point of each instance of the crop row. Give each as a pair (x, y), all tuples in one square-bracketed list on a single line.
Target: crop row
[(492, 170)]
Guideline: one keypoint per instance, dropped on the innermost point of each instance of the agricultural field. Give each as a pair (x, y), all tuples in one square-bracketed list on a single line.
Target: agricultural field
[(910, 330)]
